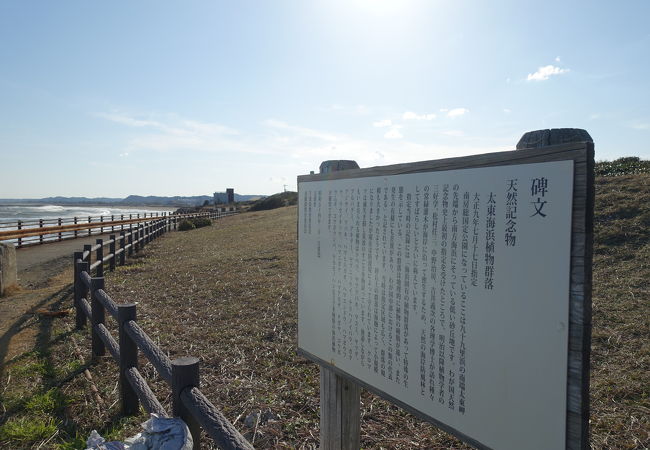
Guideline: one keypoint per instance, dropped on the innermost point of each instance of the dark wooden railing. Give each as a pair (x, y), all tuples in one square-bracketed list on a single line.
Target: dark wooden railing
[(182, 374), (41, 231)]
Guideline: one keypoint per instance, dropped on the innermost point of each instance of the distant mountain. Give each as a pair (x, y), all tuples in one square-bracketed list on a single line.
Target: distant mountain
[(131, 200), (152, 200)]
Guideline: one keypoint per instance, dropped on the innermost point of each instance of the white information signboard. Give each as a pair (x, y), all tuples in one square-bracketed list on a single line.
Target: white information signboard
[(447, 292)]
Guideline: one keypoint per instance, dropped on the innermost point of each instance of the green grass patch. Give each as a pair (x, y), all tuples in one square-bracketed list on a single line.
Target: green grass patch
[(27, 429), (47, 402)]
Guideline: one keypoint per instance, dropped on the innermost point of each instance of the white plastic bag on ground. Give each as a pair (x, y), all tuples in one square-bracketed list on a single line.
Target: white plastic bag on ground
[(160, 433)]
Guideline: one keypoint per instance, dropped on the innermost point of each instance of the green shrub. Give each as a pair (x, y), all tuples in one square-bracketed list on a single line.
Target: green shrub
[(201, 222), (186, 225)]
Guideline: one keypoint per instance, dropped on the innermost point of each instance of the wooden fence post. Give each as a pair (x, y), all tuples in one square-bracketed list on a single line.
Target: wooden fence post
[(122, 247), (75, 231), (89, 229), (97, 313), (101, 229), (100, 258), (60, 234), (112, 220), (40, 236), (80, 317), (185, 374), (130, 239), (340, 398), (19, 226), (128, 359), (111, 250)]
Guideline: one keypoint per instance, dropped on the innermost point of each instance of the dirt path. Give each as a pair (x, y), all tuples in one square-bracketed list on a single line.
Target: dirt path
[(38, 263), (45, 278)]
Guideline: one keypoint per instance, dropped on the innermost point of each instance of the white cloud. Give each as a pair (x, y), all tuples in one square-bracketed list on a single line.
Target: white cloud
[(557, 59), (289, 148), (382, 123), (456, 112), (130, 121), (410, 115), (169, 124), (124, 154), (453, 133), (507, 110), (304, 132), (543, 73), (641, 126), (393, 133)]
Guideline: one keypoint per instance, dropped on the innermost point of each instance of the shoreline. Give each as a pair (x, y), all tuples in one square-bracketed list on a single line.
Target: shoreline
[(91, 205)]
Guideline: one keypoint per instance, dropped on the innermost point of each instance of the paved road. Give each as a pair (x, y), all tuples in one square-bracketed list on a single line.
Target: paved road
[(36, 264)]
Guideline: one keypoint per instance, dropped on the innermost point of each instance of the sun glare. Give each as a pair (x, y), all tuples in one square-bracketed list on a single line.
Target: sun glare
[(384, 7)]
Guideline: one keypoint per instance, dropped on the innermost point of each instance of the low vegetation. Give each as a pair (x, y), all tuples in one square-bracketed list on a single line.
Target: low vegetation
[(629, 165), (275, 201), (186, 225), (193, 223), (227, 294)]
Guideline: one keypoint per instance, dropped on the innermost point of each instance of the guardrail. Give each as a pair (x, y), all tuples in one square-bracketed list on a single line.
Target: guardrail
[(182, 374), (41, 231)]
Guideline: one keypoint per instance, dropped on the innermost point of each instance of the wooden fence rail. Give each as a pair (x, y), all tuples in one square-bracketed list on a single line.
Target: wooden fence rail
[(92, 303), (41, 231)]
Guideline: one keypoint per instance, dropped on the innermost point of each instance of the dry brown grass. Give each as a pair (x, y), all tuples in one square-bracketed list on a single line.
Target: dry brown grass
[(620, 358), (227, 293)]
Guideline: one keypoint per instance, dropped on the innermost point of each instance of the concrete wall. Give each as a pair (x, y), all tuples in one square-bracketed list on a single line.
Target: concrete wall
[(8, 267)]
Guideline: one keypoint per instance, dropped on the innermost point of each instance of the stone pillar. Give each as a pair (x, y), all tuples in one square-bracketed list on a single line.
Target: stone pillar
[(337, 164), (554, 136), (8, 267)]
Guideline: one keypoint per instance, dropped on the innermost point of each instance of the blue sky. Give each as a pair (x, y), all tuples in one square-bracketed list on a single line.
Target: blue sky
[(185, 98)]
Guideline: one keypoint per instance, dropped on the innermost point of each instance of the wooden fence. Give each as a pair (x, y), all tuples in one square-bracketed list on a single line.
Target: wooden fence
[(182, 374), (41, 231)]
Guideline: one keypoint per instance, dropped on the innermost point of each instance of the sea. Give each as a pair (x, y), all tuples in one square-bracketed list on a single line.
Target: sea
[(13, 213), (29, 216)]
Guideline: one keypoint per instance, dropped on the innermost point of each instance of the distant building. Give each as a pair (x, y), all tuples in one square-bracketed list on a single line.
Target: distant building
[(230, 192)]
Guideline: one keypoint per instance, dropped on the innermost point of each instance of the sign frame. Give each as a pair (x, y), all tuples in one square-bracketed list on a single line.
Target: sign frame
[(580, 279)]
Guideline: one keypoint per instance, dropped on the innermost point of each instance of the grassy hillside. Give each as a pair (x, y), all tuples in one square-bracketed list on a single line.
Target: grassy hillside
[(227, 293), (275, 201), (620, 376)]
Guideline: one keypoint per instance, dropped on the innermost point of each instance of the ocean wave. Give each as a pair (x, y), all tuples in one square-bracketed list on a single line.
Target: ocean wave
[(50, 212)]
